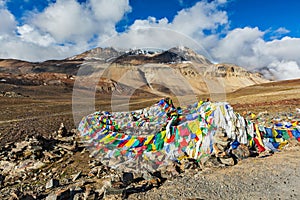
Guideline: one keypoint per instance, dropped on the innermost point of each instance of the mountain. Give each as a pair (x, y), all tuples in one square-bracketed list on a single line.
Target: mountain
[(190, 55), (99, 54), (179, 71)]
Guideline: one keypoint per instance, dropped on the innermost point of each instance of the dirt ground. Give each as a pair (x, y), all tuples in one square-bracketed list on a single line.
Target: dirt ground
[(273, 177), (42, 109)]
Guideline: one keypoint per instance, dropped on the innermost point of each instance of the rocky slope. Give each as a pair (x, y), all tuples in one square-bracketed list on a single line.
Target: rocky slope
[(59, 167), (180, 71)]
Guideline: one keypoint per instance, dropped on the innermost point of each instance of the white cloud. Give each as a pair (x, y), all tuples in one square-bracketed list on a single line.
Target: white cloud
[(2, 3), (278, 33), (71, 23), (247, 48), (66, 21), (12, 47), (286, 48), (281, 31), (222, 1), (280, 70), (31, 35), (192, 21), (65, 27), (149, 37), (8, 23), (186, 29), (110, 11), (198, 18), (238, 46)]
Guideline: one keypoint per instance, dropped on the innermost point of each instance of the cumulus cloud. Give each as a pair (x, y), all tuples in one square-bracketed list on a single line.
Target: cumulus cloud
[(186, 29), (13, 47), (281, 70), (8, 23), (202, 16), (2, 3), (110, 11), (65, 20), (286, 48), (29, 34), (238, 45), (153, 38), (246, 47), (65, 27)]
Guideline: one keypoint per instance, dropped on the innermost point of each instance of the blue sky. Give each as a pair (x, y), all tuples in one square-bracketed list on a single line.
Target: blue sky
[(257, 34), (265, 14)]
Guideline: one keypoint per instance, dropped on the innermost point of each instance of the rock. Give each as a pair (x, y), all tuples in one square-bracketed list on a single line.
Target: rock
[(227, 161), (52, 183), (28, 164), (89, 193), (10, 94), (27, 196), (211, 161), (91, 196), (94, 163), (51, 196), (62, 131), (76, 189), (78, 196), (146, 175), (101, 190), (50, 155), (76, 176), (93, 171), (127, 178), (14, 196), (114, 191), (65, 181), (189, 164), (64, 194), (2, 178), (7, 167), (20, 146), (221, 142), (68, 147), (241, 152), (36, 165), (59, 195)]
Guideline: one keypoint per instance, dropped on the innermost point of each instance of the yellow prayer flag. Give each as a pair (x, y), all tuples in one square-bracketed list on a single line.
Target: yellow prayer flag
[(130, 142), (258, 135), (282, 144), (294, 123), (149, 138), (105, 138), (194, 126)]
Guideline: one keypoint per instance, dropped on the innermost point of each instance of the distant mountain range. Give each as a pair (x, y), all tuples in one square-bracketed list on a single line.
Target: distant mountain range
[(178, 70)]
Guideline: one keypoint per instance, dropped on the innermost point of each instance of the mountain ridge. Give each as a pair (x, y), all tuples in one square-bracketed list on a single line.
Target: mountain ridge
[(178, 68)]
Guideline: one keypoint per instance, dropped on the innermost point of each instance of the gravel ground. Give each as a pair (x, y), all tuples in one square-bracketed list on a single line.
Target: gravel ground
[(273, 177)]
